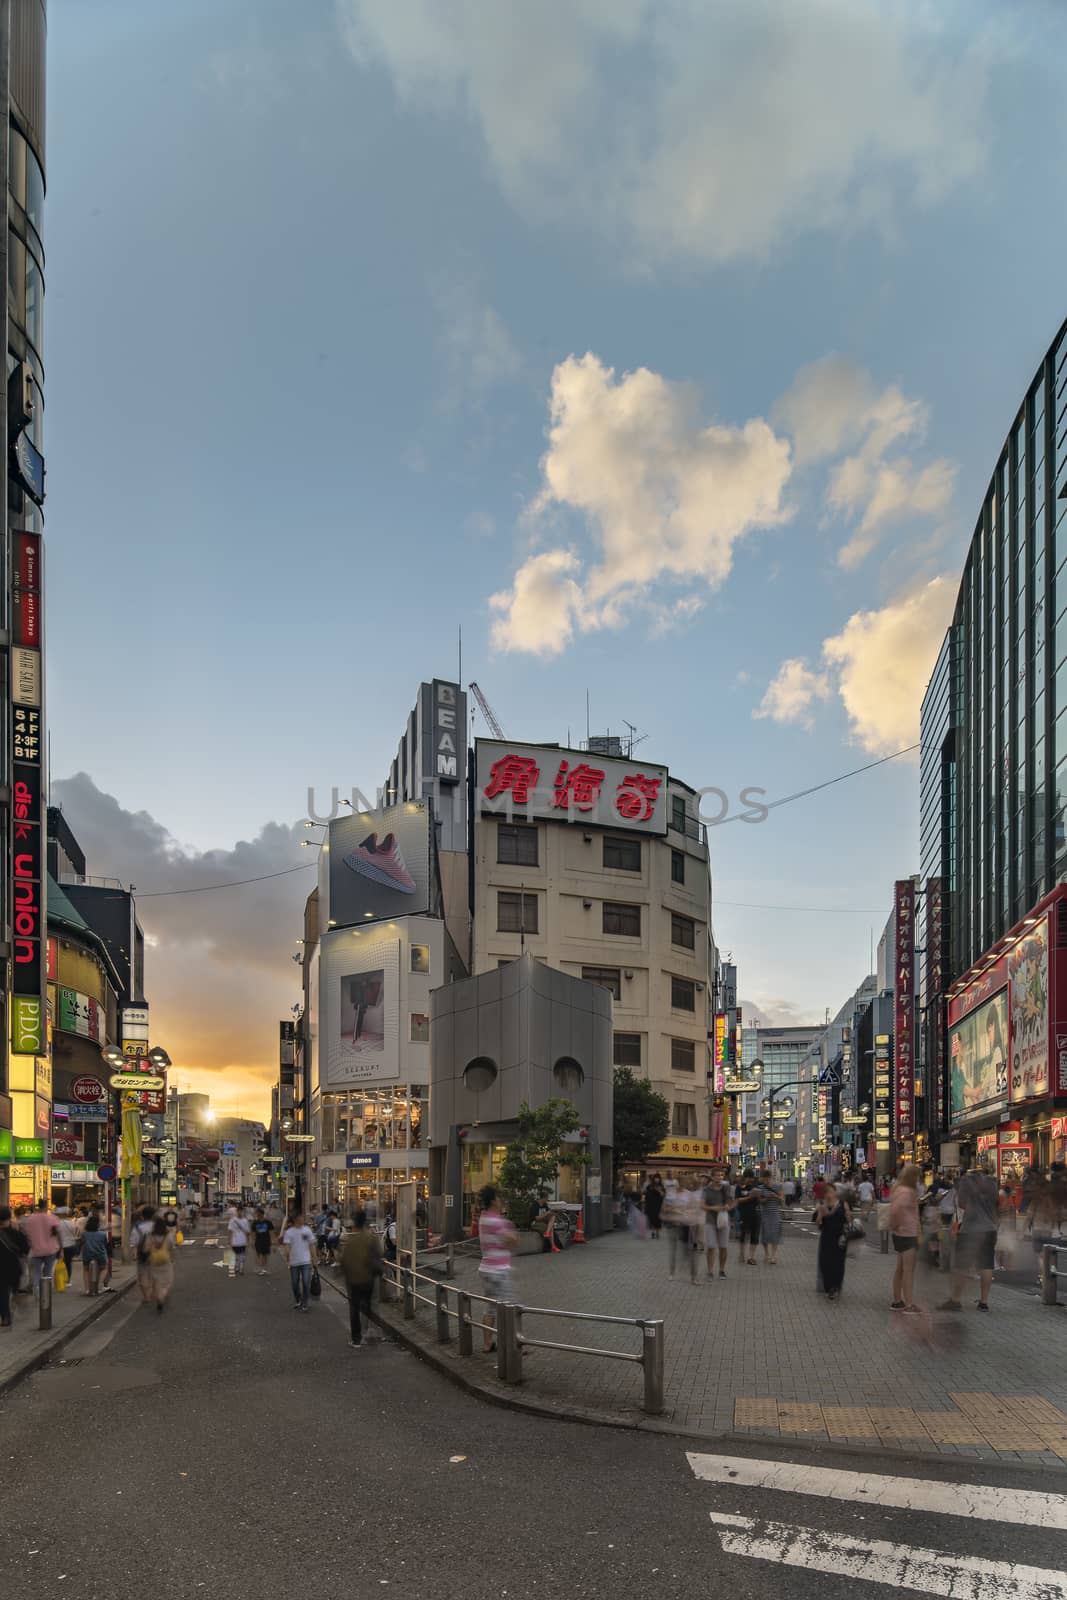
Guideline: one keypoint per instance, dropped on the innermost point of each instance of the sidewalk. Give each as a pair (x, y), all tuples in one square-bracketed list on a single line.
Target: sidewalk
[(23, 1348), (762, 1354)]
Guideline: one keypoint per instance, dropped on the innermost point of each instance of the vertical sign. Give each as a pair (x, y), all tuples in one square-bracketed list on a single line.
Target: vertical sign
[(27, 832), (935, 979), (883, 1092), (904, 1007), (448, 738)]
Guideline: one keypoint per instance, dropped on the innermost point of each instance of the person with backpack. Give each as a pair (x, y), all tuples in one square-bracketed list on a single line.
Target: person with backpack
[(139, 1250), (14, 1247), (389, 1240), (718, 1203)]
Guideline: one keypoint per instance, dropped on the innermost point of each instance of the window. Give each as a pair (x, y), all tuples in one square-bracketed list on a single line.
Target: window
[(678, 813), (677, 866), (683, 994), (516, 844), (627, 1049), (420, 958), (684, 1121), (479, 1075), (607, 977), (567, 1075), (621, 918), (622, 855), (516, 913), (683, 931), (420, 1028), (683, 1055)]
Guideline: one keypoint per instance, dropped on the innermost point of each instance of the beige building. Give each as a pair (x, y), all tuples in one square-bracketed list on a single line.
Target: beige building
[(612, 888)]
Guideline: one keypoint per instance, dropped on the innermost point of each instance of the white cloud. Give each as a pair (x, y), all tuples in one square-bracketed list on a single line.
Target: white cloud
[(792, 692), (696, 131), (879, 666), (833, 406), (664, 494)]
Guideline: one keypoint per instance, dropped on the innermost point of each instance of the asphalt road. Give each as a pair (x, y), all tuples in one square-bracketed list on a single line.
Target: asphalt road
[(236, 1447)]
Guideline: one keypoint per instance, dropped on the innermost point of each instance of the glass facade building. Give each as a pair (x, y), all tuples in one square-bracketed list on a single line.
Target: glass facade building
[(993, 768)]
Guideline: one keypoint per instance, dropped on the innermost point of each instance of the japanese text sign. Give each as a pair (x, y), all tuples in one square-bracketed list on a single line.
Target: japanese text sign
[(904, 1007), (571, 786)]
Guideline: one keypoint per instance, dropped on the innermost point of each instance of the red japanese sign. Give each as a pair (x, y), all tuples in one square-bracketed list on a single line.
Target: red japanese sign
[(567, 785), (904, 1006)]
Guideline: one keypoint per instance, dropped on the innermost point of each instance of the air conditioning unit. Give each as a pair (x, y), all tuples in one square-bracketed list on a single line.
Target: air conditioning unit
[(588, 904), (627, 973)]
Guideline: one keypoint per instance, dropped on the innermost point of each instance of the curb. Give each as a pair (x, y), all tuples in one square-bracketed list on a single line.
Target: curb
[(85, 1319), (508, 1400)]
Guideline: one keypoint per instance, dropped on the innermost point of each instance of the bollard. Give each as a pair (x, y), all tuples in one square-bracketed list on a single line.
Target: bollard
[(885, 1244), (450, 1261), (1048, 1275), (652, 1361), (409, 1293), (508, 1349), (44, 1303), (444, 1333), (466, 1330)]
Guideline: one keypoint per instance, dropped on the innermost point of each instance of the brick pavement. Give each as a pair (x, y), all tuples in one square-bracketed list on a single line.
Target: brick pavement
[(23, 1346), (991, 1387)]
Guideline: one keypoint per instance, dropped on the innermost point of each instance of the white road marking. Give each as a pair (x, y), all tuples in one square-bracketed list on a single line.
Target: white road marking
[(895, 1565), (1024, 1507)]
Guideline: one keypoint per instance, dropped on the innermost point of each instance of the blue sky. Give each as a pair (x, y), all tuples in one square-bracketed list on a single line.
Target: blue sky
[(688, 331)]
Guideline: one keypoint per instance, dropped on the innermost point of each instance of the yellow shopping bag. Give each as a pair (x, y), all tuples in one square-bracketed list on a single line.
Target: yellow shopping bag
[(179, 1237), (61, 1277)]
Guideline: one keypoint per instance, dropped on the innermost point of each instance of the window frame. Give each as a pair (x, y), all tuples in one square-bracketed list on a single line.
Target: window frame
[(677, 866), (686, 1044), (613, 842), (690, 989), (680, 920), (517, 831), (633, 1037), (611, 908), (522, 897), (614, 987)]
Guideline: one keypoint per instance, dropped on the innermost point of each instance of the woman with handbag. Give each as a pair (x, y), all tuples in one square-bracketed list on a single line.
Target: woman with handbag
[(834, 1219), (904, 1230)]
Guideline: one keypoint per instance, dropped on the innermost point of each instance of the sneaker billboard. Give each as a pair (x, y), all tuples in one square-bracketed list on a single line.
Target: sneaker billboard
[(379, 865)]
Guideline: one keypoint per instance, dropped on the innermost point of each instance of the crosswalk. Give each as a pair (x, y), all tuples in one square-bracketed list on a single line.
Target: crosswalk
[(839, 1550)]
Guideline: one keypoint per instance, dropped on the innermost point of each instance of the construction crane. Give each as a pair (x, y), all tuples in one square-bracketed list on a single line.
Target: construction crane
[(487, 712)]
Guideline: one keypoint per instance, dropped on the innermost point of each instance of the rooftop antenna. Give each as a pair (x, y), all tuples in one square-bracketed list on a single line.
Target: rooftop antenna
[(459, 674), (587, 717)]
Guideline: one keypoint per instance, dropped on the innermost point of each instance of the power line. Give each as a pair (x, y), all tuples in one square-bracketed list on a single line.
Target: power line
[(845, 911), (235, 883), (772, 805)]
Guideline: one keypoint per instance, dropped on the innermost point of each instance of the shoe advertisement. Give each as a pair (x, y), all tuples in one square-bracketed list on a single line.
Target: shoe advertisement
[(359, 1035), (379, 865)]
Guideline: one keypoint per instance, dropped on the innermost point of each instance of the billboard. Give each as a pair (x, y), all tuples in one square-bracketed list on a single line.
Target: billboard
[(1028, 985), (359, 1031), (570, 786), (978, 1057), (904, 1007), (379, 865)]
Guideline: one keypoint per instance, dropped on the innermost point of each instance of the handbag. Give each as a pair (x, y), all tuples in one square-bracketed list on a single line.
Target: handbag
[(60, 1277), (854, 1230), (179, 1237), (316, 1284)]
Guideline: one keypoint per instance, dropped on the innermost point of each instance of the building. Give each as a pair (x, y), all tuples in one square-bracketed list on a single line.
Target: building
[(993, 786), (23, 887), (598, 866), (242, 1144), (520, 1033), (774, 1055)]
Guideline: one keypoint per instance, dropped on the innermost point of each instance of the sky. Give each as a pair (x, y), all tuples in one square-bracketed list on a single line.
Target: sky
[(665, 348)]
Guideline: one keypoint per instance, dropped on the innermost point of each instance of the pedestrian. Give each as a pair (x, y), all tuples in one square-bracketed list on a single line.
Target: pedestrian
[(68, 1237), (41, 1228), (93, 1249), (298, 1241), (170, 1217), (14, 1247), (159, 1250), (1043, 1218), (240, 1229), (976, 1202), (654, 1197), (544, 1222), (904, 1228), (718, 1200), (866, 1196), (832, 1216), (818, 1189), (747, 1206), (1006, 1227), (770, 1194), (389, 1239), (361, 1263), (262, 1228), (139, 1250), (498, 1240), (688, 1230)]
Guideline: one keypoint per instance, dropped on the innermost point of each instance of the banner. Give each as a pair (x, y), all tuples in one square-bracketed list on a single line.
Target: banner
[(904, 1007), (1028, 987)]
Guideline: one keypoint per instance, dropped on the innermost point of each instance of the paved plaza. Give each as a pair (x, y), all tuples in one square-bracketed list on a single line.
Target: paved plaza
[(763, 1353)]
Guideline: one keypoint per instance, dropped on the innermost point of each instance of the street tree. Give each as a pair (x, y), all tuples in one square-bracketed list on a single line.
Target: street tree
[(533, 1158), (642, 1118)]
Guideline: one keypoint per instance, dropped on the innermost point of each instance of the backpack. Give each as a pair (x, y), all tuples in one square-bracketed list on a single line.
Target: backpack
[(158, 1255)]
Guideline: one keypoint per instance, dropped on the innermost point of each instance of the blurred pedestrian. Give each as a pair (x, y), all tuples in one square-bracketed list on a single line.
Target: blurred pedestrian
[(14, 1247), (832, 1216), (41, 1228), (865, 1195), (361, 1263), (904, 1230), (1044, 1217), (1006, 1227), (159, 1248), (139, 1250), (654, 1198), (68, 1237), (976, 1203), (240, 1230), (718, 1201), (770, 1196), (262, 1229), (498, 1240), (298, 1241), (747, 1207)]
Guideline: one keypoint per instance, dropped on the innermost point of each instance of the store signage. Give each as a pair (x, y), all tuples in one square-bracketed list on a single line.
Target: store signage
[(691, 1149), (26, 589), (741, 1085), (78, 1113), (28, 463), (448, 733), (571, 786), (25, 676), (67, 1147), (228, 1147), (30, 1152), (300, 1138), (79, 1014), (27, 1025), (904, 1007), (88, 1091), (26, 853), (853, 1119), (52, 960), (354, 1162), (720, 1039), (1027, 969), (136, 1080)]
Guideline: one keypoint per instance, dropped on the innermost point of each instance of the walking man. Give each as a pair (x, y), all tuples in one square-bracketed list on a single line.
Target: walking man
[(298, 1242), (361, 1263), (41, 1228), (262, 1228), (976, 1201), (718, 1196), (240, 1228)]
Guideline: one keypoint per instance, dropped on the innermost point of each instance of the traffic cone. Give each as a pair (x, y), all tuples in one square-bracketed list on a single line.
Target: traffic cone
[(579, 1232)]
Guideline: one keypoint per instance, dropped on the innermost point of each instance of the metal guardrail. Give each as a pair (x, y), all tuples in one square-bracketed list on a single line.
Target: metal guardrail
[(511, 1341), (1050, 1273)]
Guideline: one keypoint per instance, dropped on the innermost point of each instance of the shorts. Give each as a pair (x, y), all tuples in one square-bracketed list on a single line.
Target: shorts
[(903, 1242), (498, 1286), (976, 1250), (749, 1228), (717, 1231), (262, 1246)]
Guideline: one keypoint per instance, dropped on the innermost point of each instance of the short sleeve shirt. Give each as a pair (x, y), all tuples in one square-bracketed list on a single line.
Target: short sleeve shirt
[(977, 1197)]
